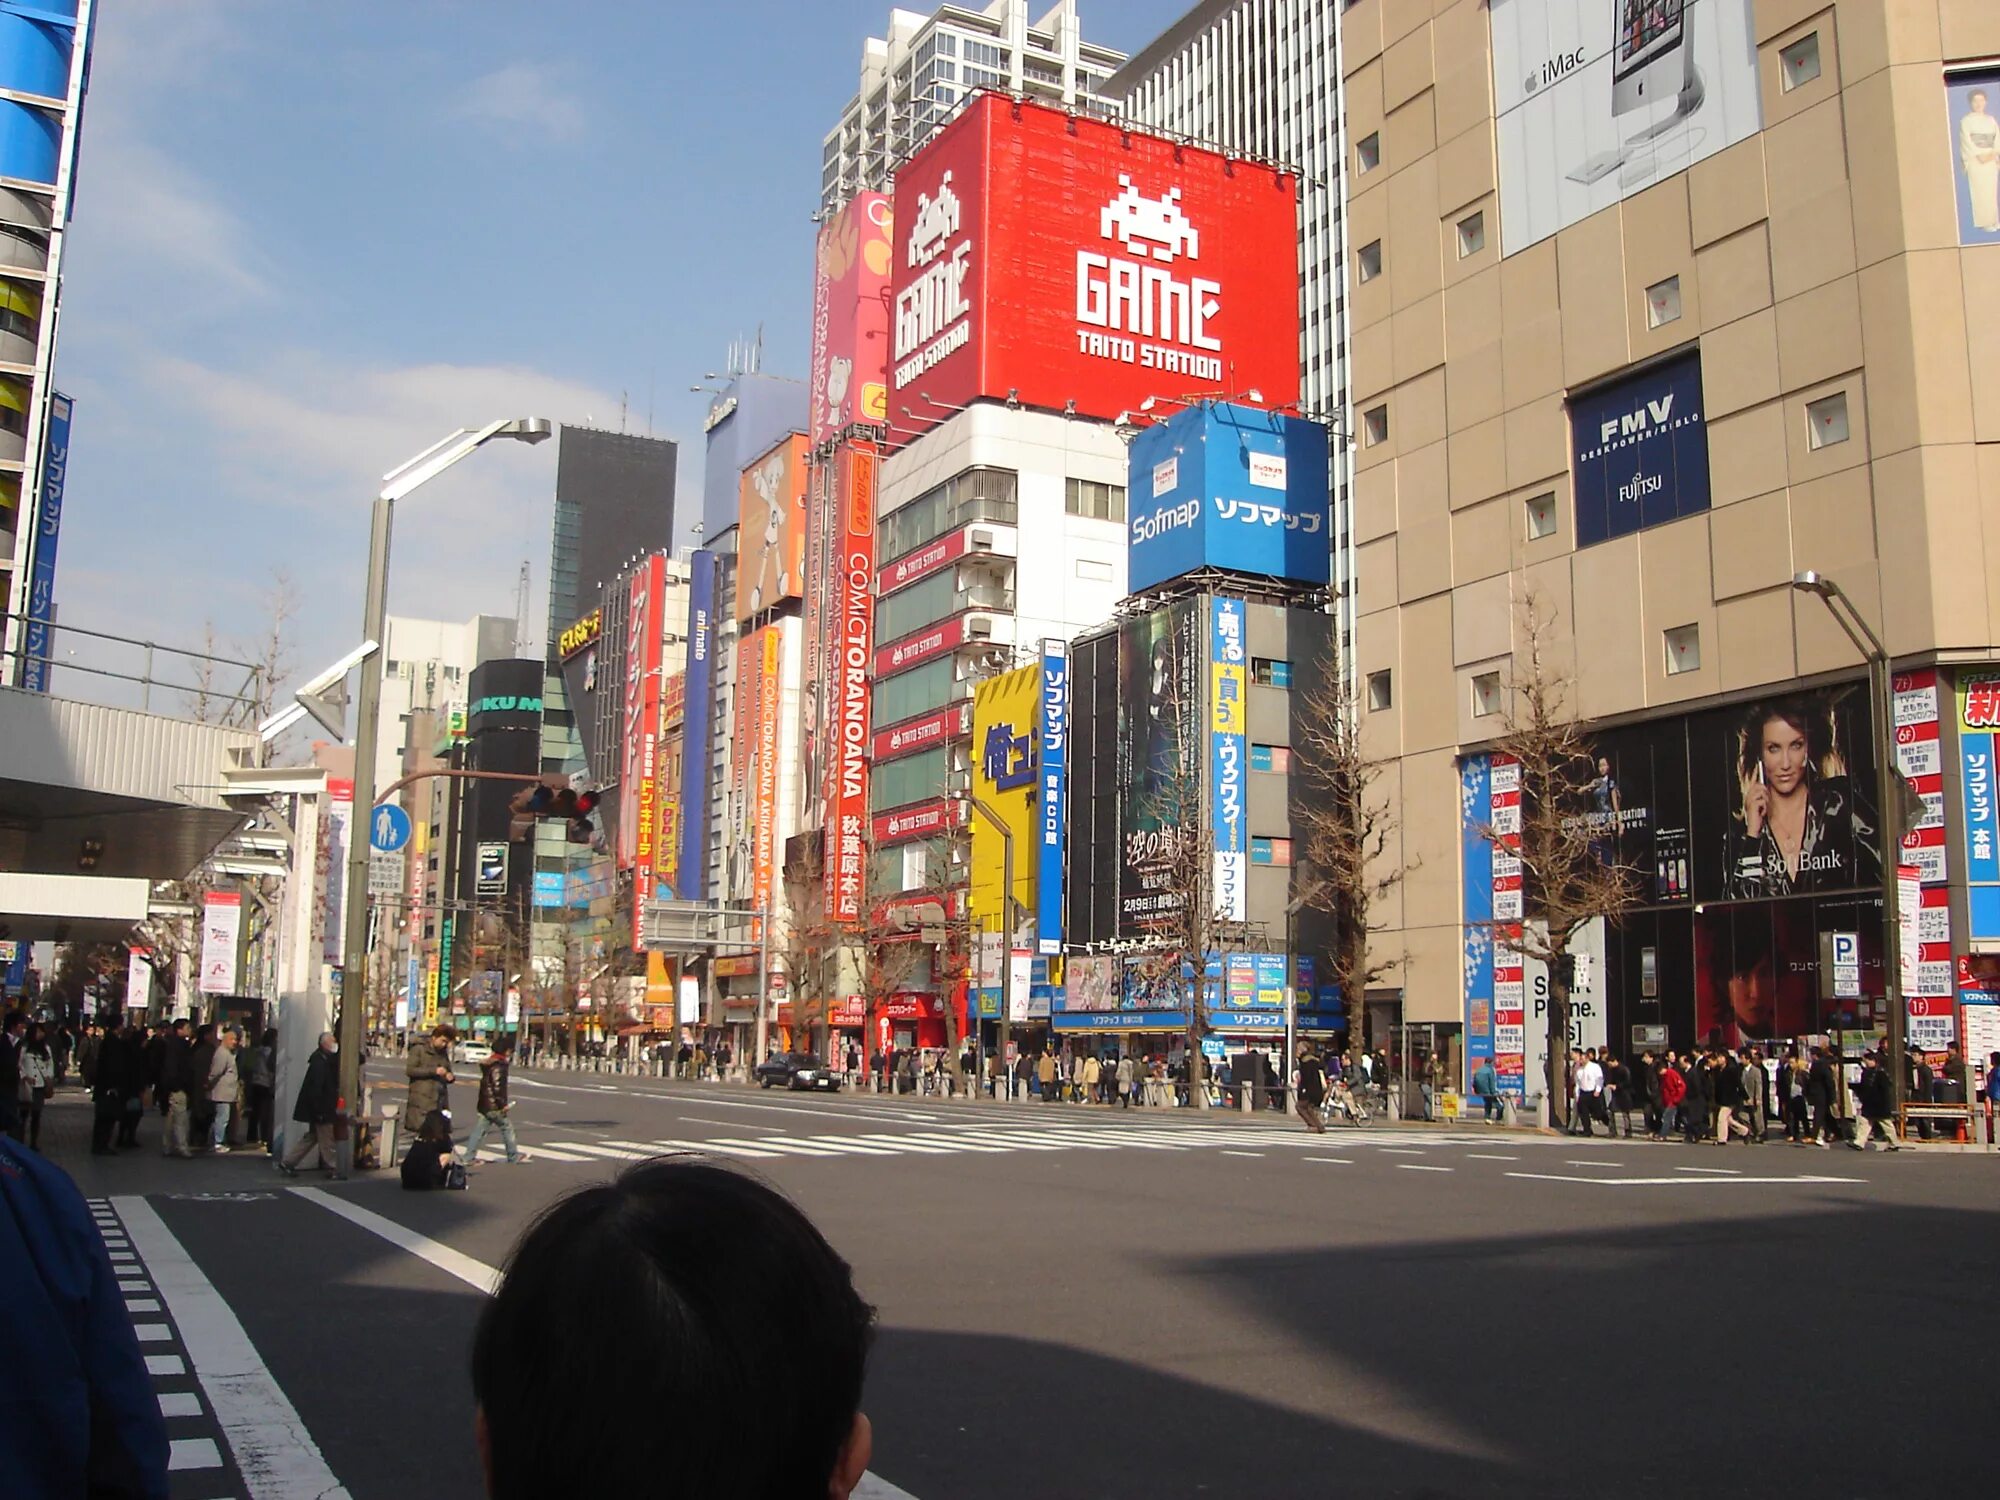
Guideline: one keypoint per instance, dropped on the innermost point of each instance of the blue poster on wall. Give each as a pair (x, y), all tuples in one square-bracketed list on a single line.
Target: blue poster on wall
[(1639, 450), (1972, 121)]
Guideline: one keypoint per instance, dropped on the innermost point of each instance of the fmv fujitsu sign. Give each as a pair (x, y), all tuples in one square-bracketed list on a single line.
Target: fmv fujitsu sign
[(1064, 259)]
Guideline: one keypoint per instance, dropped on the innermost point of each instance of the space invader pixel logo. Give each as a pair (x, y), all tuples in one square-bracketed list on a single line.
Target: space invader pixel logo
[(936, 222), (1151, 227)]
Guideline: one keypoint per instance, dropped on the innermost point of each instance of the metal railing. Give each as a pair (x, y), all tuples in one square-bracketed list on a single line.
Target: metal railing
[(199, 678)]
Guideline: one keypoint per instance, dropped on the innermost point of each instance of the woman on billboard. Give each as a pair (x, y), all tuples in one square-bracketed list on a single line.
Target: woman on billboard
[(1798, 826)]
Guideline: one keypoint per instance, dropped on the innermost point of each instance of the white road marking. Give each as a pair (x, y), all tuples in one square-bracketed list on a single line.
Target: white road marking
[(134, 1287), (179, 1404), (1711, 1171), (165, 1364), (1416, 1166), (1484, 1156), (1602, 1166), (1333, 1161), (904, 1143), (957, 1142), (1681, 1181), (1399, 1151), (136, 1305), (275, 1454), (614, 1153), (848, 1112), (193, 1453), (852, 1147), (472, 1272), (753, 1153), (153, 1333), (780, 1148), (1242, 1153)]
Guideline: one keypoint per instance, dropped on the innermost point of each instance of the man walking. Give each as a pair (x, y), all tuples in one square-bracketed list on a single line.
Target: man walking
[(1045, 1075), (223, 1087), (1875, 1094), (1821, 1087), (1618, 1093), (1672, 1088), (1312, 1092), (318, 1103), (1590, 1092), (1486, 1089), (13, 1036), (494, 1103)]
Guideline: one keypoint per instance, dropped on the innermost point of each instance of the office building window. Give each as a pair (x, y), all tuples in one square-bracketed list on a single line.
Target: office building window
[(1375, 425), (1799, 63), (1368, 152), (1663, 302), (1485, 695), (1368, 260), (1826, 420), (1683, 644), (1541, 516), (1088, 497), (1471, 234), (1267, 671)]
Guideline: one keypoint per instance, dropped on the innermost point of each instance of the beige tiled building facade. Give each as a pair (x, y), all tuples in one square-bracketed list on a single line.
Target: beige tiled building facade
[(1755, 233)]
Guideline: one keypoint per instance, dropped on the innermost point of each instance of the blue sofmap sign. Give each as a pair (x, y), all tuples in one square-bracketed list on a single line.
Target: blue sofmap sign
[(48, 530), (1051, 791), (691, 874), (1639, 450), (1231, 487)]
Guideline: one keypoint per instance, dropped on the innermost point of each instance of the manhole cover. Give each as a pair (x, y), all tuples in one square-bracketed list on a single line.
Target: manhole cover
[(585, 1124)]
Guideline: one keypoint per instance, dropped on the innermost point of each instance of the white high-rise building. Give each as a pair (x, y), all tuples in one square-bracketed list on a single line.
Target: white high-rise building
[(1263, 77), (425, 666), (912, 80)]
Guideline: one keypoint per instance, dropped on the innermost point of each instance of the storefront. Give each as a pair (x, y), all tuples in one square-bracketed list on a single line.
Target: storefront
[(1751, 834)]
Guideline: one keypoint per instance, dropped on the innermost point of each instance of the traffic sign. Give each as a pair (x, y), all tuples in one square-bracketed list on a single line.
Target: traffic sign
[(388, 827), (385, 875)]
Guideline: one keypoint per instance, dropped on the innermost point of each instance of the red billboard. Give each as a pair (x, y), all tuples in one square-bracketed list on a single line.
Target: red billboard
[(917, 734), (913, 650), (852, 608), (1067, 259), (925, 561), (921, 821), (850, 334)]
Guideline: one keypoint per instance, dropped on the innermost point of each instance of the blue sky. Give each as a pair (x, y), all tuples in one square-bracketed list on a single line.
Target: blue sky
[(311, 239)]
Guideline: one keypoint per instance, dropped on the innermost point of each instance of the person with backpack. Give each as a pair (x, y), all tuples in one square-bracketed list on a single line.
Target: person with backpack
[(1486, 1089)]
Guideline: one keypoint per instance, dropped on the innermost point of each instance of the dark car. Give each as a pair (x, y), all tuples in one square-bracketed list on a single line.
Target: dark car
[(795, 1070)]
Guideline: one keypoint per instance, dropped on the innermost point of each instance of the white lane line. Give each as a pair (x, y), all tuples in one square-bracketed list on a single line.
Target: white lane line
[(732, 1124), (780, 1148), (959, 1142), (1711, 1171), (452, 1262), (710, 1148), (137, 1305), (1399, 1151), (1333, 1161), (904, 1143), (165, 1364), (541, 1153), (850, 1147), (273, 1450), (874, 1487), (134, 1288), (611, 1153), (1601, 1166), (179, 1404), (1682, 1181), (886, 1116), (193, 1453), (1242, 1153), (1417, 1166), (1486, 1156)]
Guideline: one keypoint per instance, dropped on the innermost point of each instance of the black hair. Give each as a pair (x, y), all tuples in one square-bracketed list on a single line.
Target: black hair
[(689, 1289)]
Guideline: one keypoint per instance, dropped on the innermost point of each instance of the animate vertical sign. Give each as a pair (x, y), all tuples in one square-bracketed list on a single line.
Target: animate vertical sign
[(221, 927), (692, 884), (1226, 753), (42, 567), (1051, 797), (854, 628)]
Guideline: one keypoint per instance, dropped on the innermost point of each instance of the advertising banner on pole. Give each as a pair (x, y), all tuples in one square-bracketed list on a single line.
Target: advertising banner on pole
[(853, 611), (36, 640), (1228, 677), (221, 927), (138, 980), (692, 884), (1052, 797), (637, 788), (333, 841)]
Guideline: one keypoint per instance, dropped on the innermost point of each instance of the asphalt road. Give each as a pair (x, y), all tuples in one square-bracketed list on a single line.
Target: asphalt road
[(1082, 1302)]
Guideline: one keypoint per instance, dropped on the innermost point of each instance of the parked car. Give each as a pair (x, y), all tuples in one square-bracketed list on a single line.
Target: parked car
[(475, 1053), (795, 1070)]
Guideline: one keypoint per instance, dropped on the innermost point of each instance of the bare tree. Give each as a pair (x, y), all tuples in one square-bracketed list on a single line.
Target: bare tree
[(1570, 874), (809, 942), (1348, 820), (271, 655), (951, 960)]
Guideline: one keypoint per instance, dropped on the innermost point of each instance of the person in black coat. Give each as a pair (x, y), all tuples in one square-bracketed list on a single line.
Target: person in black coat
[(1821, 1090), (1700, 1097), (424, 1168), (1876, 1096), (117, 1078), (318, 1104)]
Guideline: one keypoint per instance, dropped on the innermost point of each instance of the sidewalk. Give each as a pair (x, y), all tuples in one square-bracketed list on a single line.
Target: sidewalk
[(66, 1121)]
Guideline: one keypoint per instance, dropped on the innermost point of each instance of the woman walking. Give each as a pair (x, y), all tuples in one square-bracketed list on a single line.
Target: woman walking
[(38, 1071)]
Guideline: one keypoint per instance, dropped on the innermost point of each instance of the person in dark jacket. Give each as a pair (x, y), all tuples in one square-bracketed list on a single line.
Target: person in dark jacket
[(1876, 1096), (1920, 1082), (1700, 1080), (201, 1109), (13, 1037), (77, 1411), (260, 1074), (1618, 1095), (318, 1104), (1726, 1084), (1822, 1087), (117, 1082), (428, 1069), (494, 1103), (424, 1167), (175, 1072)]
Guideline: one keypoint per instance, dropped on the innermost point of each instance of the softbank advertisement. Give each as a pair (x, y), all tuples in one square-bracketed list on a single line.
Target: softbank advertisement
[(691, 874), (1598, 99)]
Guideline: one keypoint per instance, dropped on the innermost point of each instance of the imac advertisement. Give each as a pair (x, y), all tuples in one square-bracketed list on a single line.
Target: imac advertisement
[(1597, 99)]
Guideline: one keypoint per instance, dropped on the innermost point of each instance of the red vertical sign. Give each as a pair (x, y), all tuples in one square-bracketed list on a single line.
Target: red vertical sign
[(638, 829), (853, 620)]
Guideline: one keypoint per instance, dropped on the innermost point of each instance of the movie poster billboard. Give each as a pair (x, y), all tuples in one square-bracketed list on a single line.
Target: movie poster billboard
[(1160, 773), (1595, 100)]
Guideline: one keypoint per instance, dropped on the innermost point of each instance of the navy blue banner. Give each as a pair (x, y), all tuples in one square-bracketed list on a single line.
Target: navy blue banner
[(691, 876), (37, 643), (1639, 450)]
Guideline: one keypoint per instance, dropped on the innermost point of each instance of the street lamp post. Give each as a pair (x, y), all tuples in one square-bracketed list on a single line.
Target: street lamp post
[(397, 483), (1890, 801)]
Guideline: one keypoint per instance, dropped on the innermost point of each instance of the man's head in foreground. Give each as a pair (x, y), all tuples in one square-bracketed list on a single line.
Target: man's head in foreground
[(684, 1289)]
